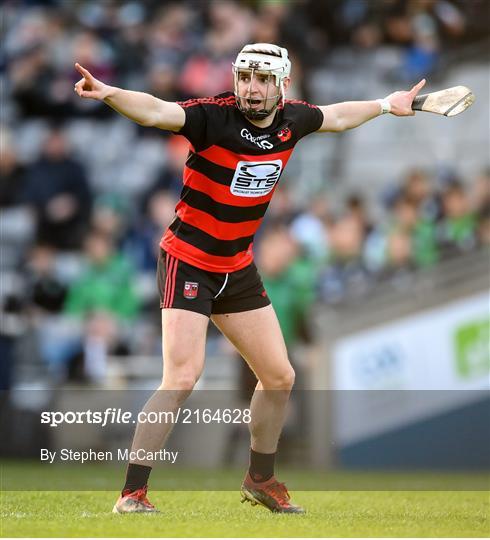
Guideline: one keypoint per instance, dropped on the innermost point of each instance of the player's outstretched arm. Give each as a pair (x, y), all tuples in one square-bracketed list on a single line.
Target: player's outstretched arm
[(350, 114), (142, 108)]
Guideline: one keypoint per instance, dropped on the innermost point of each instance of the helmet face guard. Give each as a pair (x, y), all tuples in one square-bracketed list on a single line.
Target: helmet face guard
[(260, 59), (245, 101)]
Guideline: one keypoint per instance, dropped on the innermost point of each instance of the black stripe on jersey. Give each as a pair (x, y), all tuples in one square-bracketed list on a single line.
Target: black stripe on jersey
[(220, 211), (238, 147), (217, 173), (206, 242)]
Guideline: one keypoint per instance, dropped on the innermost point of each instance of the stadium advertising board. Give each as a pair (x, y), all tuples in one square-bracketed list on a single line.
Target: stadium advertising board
[(411, 369), (441, 349)]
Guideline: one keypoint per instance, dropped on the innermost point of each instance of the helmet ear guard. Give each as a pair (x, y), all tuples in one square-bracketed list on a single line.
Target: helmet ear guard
[(263, 57)]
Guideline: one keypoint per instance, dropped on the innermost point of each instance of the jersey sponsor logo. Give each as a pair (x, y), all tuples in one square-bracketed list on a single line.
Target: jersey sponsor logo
[(255, 178), (190, 290), (260, 141), (284, 135)]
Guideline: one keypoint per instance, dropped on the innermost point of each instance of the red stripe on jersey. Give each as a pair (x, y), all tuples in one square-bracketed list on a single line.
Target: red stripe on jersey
[(196, 257), (221, 102), (212, 226), (219, 192), (300, 102), (227, 158)]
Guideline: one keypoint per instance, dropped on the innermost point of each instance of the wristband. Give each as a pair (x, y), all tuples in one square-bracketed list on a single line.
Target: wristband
[(385, 105)]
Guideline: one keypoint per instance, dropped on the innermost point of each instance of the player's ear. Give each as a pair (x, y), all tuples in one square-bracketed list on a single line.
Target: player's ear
[(286, 84)]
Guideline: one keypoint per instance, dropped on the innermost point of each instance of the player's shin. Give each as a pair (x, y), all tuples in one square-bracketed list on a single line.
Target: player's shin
[(268, 413)]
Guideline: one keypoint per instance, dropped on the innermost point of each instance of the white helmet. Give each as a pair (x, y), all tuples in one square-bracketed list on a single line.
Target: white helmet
[(264, 58)]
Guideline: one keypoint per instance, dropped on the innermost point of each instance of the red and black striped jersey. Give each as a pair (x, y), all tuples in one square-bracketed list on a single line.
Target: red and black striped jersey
[(230, 175)]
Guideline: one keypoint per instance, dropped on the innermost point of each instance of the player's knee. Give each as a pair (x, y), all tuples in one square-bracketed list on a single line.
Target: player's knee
[(180, 380), (284, 380), (184, 382), (181, 370), (287, 378)]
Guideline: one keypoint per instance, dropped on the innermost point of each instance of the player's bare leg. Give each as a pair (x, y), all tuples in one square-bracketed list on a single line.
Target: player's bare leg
[(183, 346), (257, 336)]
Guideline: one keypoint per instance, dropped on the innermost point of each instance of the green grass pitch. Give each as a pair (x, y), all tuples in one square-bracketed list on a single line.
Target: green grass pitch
[(396, 513), (218, 514)]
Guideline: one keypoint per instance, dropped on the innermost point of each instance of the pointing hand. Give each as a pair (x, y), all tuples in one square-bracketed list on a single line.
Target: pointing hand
[(88, 86)]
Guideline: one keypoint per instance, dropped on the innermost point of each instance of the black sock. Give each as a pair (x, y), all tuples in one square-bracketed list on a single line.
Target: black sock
[(261, 466), (136, 476)]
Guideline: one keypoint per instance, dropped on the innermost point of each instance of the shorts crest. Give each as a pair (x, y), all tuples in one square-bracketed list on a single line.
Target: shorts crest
[(191, 289)]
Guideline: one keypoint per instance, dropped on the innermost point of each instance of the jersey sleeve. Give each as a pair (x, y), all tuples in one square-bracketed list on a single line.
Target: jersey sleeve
[(307, 117), (204, 120)]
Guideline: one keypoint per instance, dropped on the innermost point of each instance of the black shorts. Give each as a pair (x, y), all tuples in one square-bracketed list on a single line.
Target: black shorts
[(184, 286)]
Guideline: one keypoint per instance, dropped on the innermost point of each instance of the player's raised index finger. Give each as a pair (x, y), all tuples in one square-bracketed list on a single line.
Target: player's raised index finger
[(415, 90), (82, 70)]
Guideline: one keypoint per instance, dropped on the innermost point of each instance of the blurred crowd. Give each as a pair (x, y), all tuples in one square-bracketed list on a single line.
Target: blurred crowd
[(85, 196), (428, 218), (183, 49)]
